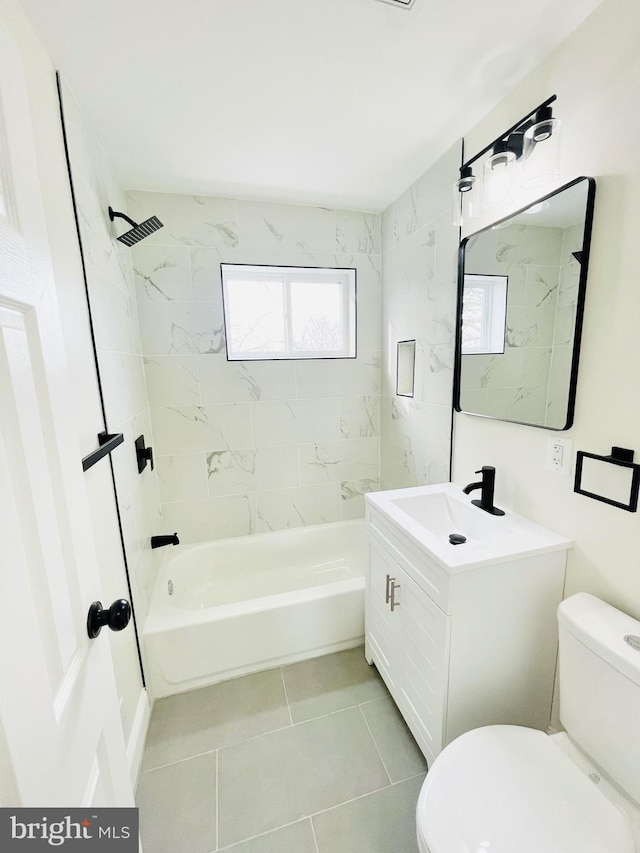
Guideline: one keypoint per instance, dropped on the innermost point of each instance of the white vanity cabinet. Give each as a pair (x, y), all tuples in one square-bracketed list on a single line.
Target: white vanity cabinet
[(464, 648)]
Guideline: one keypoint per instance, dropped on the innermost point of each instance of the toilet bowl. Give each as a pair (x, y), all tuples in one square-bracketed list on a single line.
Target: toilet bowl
[(511, 789)]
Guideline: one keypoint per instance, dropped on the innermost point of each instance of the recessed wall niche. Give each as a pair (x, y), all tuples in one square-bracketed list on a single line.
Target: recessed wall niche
[(405, 375)]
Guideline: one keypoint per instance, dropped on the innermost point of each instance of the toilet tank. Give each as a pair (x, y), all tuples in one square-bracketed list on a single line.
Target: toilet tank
[(600, 686)]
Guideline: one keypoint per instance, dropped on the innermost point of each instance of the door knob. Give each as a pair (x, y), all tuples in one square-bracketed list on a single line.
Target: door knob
[(116, 617)]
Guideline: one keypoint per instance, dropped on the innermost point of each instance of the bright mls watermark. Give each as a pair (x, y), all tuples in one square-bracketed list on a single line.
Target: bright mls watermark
[(105, 830)]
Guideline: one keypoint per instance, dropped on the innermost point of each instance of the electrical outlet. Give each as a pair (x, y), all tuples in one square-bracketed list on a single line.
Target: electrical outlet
[(559, 455)]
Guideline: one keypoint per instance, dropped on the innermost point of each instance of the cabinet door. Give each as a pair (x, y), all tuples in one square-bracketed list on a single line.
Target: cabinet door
[(424, 653), (383, 625)]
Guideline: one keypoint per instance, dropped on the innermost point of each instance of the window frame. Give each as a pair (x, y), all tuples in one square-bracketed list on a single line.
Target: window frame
[(289, 274), (494, 314)]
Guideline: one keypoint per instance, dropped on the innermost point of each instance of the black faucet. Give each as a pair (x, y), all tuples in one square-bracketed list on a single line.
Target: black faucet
[(159, 541), (487, 484)]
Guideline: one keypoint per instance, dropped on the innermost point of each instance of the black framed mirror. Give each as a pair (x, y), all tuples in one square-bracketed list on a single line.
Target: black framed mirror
[(521, 292)]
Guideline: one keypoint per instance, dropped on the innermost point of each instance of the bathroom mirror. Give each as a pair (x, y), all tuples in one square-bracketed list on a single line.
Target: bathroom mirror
[(521, 293)]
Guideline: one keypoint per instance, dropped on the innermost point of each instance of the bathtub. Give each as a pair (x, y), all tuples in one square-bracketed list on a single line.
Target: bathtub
[(234, 606)]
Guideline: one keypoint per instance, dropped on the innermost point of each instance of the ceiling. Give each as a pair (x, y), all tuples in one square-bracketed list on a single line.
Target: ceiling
[(333, 102)]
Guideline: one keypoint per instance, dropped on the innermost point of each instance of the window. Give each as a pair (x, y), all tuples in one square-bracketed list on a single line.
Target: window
[(484, 313), (288, 312)]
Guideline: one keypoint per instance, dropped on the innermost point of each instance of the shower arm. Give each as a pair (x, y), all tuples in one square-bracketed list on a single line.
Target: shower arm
[(113, 213)]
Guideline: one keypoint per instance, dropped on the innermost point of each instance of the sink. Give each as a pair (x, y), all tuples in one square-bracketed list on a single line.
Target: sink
[(442, 514), (430, 514)]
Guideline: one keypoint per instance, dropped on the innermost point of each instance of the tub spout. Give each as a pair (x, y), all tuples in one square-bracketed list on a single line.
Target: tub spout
[(159, 541)]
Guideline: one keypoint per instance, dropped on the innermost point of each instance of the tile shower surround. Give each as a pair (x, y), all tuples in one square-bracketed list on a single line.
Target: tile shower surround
[(420, 249), (313, 758), (247, 447)]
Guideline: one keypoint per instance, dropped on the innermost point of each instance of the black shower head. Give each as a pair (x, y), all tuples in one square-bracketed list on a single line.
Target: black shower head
[(137, 232), (577, 256)]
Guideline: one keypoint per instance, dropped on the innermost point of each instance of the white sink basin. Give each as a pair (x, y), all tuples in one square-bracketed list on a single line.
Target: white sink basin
[(430, 514)]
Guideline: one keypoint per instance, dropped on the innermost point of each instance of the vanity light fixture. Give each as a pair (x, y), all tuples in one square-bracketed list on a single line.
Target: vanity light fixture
[(498, 174), (538, 127), (466, 180), (532, 143), (544, 125), (541, 155), (464, 196)]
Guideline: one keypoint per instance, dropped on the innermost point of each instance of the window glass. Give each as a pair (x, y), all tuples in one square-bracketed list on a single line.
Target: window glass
[(317, 316), (256, 311), (484, 313), (288, 312)]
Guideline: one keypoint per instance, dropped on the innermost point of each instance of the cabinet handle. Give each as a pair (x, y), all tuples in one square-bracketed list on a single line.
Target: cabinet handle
[(387, 596), (393, 602)]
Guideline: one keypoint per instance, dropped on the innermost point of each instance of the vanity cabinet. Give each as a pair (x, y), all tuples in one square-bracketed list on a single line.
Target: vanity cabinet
[(465, 649)]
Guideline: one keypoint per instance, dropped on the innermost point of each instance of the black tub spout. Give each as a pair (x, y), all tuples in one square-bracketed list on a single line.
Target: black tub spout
[(159, 541)]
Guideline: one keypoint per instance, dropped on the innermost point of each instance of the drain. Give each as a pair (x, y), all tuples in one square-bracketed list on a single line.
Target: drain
[(457, 538), (170, 587), (633, 641)]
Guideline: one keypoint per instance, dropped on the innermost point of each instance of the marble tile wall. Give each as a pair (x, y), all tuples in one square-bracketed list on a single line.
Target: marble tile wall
[(248, 447), (420, 247)]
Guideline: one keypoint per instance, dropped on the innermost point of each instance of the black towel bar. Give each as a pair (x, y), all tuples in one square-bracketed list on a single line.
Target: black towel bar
[(108, 442)]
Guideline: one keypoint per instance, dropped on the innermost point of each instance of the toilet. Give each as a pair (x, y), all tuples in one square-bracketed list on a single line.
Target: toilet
[(511, 789)]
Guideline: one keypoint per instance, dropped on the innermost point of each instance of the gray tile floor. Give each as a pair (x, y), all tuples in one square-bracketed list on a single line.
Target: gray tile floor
[(308, 758)]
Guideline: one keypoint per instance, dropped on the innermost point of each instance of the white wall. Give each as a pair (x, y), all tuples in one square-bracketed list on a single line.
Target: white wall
[(596, 76), (247, 447)]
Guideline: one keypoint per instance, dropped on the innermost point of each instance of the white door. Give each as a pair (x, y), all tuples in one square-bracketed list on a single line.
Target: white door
[(61, 741)]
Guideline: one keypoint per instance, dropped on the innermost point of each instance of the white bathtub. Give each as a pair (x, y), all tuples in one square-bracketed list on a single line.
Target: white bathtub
[(246, 604)]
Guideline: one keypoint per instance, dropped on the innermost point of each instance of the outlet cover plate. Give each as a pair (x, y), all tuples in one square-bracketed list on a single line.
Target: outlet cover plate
[(559, 453)]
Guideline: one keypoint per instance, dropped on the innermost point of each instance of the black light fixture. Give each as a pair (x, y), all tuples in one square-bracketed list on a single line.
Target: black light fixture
[(542, 128), (464, 200), (466, 181), (531, 142), (497, 178), (538, 127), (541, 155)]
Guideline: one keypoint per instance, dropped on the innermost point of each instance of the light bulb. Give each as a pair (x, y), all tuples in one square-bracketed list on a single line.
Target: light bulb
[(498, 177)]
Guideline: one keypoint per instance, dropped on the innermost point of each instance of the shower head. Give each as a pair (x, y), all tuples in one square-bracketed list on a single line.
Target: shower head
[(137, 232), (577, 256)]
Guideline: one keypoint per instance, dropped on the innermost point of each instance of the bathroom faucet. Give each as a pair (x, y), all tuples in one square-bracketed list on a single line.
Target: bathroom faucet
[(487, 484), (159, 541)]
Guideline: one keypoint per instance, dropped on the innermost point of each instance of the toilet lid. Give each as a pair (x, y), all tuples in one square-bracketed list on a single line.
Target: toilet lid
[(509, 789)]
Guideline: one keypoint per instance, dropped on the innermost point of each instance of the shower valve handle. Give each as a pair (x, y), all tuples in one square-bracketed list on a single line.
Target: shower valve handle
[(147, 454), (143, 454)]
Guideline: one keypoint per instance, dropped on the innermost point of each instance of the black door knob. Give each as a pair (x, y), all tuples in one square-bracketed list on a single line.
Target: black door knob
[(116, 617)]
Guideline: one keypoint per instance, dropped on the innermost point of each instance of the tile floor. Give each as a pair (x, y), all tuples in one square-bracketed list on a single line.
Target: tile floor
[(308, 758)]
